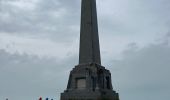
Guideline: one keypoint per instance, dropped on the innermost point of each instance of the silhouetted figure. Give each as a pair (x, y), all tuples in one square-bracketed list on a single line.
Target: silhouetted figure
[(46, 99), (40, 98)]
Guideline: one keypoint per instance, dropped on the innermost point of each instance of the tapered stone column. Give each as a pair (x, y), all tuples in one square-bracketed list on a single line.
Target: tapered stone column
[(89, 80), (89, 39)]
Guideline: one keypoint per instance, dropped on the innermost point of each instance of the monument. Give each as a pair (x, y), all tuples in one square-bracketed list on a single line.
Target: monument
[(89, 80)]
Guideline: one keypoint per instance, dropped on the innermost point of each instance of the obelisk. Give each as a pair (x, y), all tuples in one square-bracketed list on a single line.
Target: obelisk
[(89, 39), (89, 80)]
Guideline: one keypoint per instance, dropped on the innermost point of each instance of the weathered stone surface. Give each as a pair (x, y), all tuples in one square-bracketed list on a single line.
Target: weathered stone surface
[(89, 80), (89, 39), (98, 84)]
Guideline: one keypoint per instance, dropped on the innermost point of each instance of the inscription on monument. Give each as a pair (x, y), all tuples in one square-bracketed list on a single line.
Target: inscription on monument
[(81, 83)]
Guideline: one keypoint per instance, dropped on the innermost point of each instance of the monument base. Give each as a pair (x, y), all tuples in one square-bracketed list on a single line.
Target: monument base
[(89, 95), (89, 82)]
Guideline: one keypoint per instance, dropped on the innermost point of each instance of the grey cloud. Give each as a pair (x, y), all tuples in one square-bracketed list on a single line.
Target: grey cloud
[(49, 19), (135, 18), (59, 19), (28, 77), (143, 72)]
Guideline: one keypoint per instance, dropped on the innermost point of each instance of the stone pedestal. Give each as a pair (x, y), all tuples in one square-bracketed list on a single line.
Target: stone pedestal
[(89, 82)]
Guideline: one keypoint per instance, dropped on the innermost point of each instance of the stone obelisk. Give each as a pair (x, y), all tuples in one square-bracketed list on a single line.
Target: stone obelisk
[(89, 39), (89, 80)]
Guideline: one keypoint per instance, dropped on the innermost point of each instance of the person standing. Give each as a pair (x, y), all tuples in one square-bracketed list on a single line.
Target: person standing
[(40, 98)]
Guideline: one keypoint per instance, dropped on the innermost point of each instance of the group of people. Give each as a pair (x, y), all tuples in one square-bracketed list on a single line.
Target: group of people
[(45, 99), (38, 99)]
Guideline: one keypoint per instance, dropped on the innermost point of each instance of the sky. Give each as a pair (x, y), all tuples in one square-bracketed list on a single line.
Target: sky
[(39, 43)]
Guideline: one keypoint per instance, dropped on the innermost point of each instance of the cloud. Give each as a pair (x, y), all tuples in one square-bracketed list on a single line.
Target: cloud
[(141, 21), (123, 22), (28, 77), (143, 72), (40, 18), (34, 46)]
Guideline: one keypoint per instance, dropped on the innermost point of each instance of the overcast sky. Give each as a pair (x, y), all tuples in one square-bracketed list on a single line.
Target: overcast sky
[(39, 43)]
